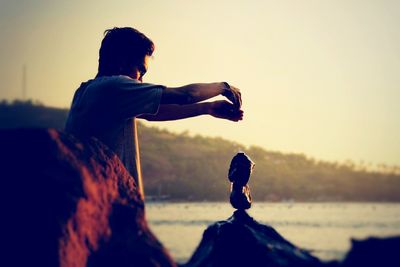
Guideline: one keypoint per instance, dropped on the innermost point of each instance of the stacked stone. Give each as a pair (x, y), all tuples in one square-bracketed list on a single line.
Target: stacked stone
[(239, 175)]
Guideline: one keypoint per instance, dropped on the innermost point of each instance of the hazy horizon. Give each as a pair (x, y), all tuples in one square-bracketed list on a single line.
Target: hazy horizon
[(317, 77)]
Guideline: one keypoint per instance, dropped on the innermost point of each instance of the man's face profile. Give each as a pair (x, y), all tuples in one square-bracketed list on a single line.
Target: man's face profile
[(141, 69)]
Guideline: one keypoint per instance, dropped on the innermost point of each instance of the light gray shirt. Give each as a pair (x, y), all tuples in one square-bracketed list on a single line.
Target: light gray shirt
[(106, 108)]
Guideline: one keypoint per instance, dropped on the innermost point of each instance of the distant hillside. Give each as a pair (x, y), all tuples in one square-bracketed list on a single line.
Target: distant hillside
[(29, 114), (185, 167)]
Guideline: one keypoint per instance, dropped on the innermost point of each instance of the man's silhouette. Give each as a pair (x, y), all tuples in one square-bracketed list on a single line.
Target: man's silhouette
[(107, 106)]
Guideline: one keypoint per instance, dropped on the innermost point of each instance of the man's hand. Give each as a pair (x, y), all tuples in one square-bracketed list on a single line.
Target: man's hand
[(233, 94), (224, 110)]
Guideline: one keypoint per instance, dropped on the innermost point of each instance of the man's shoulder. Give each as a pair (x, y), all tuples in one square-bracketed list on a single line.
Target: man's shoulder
[(115, 86), (114, 80), (121, 82)]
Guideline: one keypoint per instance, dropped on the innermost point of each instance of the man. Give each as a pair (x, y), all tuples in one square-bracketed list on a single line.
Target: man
[(107, 107)]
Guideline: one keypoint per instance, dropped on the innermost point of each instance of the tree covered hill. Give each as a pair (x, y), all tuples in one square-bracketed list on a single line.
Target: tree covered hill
[(195, 167), (186, 167)]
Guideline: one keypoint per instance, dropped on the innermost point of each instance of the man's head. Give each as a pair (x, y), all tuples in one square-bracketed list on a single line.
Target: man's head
[(124, 51)]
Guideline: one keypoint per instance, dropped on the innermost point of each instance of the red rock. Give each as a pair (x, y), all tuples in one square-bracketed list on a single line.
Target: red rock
[(65, 203)]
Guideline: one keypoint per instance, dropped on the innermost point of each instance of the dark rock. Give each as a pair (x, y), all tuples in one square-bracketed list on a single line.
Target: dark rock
[(374, 252), (241, 241), (240, 197), (240, 169), (65, 203)]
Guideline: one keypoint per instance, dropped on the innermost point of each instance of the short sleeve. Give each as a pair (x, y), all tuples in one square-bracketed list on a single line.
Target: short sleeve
[(133, 98)]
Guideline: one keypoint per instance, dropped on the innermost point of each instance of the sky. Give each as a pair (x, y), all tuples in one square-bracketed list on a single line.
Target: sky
[(317, 77)]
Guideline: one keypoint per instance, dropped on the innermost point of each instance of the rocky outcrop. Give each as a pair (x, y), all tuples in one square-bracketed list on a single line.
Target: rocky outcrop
[(373, 252), (65, 203), (241, 241)]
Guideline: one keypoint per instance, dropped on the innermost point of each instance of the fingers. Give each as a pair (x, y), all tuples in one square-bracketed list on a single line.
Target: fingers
[(237, 95), (225, 110), (238, 116), (233, 94), (235, 114)]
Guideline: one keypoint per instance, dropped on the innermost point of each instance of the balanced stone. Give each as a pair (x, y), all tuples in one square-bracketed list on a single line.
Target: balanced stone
[(239, 175)]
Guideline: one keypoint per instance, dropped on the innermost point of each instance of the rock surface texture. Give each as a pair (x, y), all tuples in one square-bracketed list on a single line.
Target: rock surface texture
[(65, 203)]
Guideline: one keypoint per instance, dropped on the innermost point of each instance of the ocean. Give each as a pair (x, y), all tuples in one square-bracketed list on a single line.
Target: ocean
[(325, 229)]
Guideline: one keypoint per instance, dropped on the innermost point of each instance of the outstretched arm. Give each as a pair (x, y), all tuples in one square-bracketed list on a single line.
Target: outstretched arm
[(220, 109), (197, 92)]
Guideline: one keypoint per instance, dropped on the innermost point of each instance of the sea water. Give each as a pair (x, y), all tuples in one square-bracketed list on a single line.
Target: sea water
[(323, 228)]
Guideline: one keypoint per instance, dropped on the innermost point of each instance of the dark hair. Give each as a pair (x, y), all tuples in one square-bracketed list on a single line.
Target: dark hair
[(121, 50)]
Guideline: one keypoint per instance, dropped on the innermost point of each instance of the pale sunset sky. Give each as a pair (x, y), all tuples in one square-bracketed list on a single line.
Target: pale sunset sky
[(317, 77)]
